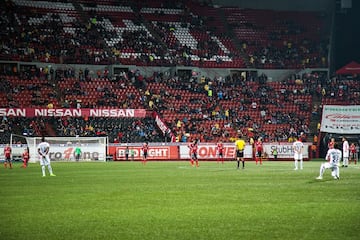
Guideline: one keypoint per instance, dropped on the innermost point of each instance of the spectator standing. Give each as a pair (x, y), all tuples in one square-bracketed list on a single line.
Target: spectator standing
[(127, 153), (275, 153), (132, 154)]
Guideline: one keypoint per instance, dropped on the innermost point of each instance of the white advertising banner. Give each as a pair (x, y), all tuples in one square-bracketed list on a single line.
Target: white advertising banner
[(284, 150), (63, 152), (341, 119)]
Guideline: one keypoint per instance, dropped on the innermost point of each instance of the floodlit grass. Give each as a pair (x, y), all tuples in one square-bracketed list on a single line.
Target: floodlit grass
[(171, 200)]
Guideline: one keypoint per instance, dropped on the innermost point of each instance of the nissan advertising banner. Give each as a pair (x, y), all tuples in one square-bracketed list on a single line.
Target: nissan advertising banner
[(72, 112)]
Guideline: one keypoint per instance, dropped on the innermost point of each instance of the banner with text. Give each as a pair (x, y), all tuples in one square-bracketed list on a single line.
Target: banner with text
[(284, 150), (207, 151), (73, 112), (155, 152), (341, 119)]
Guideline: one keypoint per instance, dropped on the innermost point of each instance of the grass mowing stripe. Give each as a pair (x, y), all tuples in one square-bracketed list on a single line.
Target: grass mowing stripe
[(172, 200)]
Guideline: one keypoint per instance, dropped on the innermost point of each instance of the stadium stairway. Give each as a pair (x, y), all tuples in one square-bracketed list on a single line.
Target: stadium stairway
[(49, 130), (236, 41)]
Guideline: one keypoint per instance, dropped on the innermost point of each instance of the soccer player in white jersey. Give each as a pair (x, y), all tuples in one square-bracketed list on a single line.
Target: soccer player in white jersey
[(298, 147), (43, 151), (345, 152), (333, 156)]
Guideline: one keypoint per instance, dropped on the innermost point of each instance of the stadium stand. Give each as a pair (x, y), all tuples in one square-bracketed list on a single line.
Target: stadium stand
[(159, 33)]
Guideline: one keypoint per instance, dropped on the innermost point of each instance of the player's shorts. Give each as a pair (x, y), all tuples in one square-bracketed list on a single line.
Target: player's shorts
[(329, 165), (220, 154), (258, 153), (194, 156), (145, 154), (298, 156), (240, 153), (8, 159), (44, 161)]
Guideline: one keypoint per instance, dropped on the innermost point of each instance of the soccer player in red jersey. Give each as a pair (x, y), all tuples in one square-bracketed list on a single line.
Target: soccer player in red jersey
[(25, 157), (331, 143), (353, 152), (220, 150), (145, 149), (259, 150), (7, 154), (193, 151)]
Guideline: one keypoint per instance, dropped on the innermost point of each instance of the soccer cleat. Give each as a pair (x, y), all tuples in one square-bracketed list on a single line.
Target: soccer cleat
[(43, 176), (319, 178), (336, 178), (295, 169), (52, 175)]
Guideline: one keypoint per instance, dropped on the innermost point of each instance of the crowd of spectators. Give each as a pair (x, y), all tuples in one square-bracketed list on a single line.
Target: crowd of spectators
[(85, 36), (118, 130), (216, 109), (227, 109)]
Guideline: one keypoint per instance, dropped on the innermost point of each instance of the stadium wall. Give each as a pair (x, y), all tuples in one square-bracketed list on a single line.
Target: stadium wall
[(273, 74), (167, 152), (286, 5), (206, 151)]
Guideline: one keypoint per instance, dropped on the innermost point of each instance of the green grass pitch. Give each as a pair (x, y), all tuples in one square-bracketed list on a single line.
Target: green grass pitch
[(172, 200)]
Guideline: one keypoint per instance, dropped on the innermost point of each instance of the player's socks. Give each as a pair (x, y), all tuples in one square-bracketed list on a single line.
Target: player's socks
[(5, 166), (322, 169), (43, 170), (243, 164), (50, 170), (238, 163), (296, 164)]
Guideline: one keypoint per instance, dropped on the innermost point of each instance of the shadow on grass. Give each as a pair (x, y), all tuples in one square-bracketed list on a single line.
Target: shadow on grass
[(320, 181)]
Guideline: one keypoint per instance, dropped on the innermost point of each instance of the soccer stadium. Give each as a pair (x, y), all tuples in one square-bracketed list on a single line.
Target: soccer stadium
[(191, 119)]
